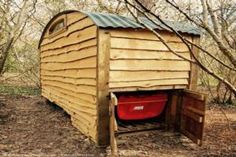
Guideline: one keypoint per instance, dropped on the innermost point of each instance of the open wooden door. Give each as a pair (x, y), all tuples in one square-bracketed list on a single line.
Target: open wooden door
[(193, 115)]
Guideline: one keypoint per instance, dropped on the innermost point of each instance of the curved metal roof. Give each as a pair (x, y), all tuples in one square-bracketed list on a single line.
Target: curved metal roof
[(105, 20), (116, 21)]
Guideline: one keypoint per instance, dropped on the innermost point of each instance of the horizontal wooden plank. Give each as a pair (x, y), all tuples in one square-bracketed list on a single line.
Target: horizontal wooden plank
[(63, 103), (131, 89), (76, 107), (145, 75), (138, 44), (84, 97), (142, 54), (147, 84), (70, 80), (89, 131), (83, 106), (166, 65), (78, 25), (195, 95), (90, 62), (194, 116), (74, 17), (79, 73), (74, 47), (146, 35), (77, 88), (71, 56), (80, 36)]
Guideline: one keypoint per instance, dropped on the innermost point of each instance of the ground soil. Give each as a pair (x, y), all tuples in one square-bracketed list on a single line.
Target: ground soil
[(31, 127)]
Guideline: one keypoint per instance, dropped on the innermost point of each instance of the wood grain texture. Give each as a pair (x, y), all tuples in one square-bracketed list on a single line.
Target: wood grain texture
[(139, 65), (146, 35), (68, 71), (116, 76), (139, 61), (125, 43), (69, 48), (142, 54), (102, 87), (194, 68), (149, 83)]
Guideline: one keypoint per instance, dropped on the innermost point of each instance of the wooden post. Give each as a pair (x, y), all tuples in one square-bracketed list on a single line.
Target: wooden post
[(113, 142), (194, 68), (102, 87)]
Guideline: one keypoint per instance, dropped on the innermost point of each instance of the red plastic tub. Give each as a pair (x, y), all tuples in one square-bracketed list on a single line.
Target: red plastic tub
[(140, 107)]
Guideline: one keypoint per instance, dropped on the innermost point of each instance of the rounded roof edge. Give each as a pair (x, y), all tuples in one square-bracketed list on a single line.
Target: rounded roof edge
[(50, 22), (105, 20)]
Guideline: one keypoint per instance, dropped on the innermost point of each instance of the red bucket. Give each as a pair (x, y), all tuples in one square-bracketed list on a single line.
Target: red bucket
[(140, 107)]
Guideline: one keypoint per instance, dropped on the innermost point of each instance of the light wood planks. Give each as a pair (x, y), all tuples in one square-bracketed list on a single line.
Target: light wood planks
[(146, 35), (79, 36), (139, 65), (125, 43), (69, 48), (142, 54), (102, 87), (78, 64), (68, 71), (72, 55), (139, 61), (71, 73), (116, 76), (149, 83), (194, 67), (71, 28)]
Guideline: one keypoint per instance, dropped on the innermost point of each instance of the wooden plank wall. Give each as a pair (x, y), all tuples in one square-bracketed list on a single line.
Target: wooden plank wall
[(68, 71), (138, 60)]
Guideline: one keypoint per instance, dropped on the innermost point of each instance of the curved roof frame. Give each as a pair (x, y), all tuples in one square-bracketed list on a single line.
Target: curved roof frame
[(103, 20)]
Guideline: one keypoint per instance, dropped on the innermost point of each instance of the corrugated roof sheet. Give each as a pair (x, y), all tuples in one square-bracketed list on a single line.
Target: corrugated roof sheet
[(104, 20), (116, 21)]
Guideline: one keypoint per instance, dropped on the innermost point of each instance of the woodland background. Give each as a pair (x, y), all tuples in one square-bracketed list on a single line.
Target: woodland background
[(22, 22), (31, 127)]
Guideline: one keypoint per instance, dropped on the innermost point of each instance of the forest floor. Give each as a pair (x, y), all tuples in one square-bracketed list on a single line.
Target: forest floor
[(31, 127)]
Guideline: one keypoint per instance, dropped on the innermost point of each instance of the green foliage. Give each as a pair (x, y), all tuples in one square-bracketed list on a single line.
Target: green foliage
[(18, 90)]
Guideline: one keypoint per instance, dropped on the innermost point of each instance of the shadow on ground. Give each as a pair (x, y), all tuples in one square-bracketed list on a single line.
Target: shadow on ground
[(30, 126)]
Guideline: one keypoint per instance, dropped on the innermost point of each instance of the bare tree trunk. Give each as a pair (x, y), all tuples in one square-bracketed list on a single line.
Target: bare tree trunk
[(4, 55)]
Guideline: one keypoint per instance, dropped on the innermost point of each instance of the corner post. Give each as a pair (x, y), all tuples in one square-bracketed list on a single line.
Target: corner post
[(103, 57)]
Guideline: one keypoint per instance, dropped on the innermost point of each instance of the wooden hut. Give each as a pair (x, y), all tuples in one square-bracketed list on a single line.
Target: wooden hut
[(87, 56)]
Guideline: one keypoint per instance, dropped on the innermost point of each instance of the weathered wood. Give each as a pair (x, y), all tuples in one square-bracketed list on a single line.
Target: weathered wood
[(194, 68), (173, 109), (113, 143), (193, 115), (102, 87)]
